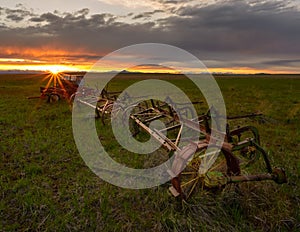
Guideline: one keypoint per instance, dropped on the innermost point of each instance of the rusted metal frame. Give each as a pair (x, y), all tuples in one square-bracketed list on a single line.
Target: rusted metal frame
[(205, 120), (102, 101), (246, 143), (172, 112), (232, 162), (162, 111), (105, 107), (166, 142), (169, 141), (89, 104), (246, 178), (195, 126), (167, 103), (165, 113), (156, 134), (190, 124), (98, 108), (143, 111), (109, 94), (160, 114), (176, 140), (185, 122), (146, 116), (265, 156), (171, 127), (93, 101), (154, 118), (251, 142), (189, 139), (238, 132), (278, 175), (179, 135), (102, 109), (169, 112), (184, 111), (149, 116)]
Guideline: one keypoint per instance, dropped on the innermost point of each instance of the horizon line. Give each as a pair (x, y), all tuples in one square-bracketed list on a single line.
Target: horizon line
[(130, 72)]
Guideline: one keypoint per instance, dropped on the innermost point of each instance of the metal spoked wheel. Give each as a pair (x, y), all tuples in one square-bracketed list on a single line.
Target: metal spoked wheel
[(53, 97), (190, 179)]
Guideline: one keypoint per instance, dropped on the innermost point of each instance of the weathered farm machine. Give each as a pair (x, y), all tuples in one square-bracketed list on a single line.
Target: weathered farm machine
[(240, 149), (60, 86)]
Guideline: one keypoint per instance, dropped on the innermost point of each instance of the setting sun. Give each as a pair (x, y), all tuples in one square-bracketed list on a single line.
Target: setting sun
[(55, 69)]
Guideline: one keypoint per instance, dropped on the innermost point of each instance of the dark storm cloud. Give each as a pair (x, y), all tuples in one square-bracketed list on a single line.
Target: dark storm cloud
[(146, 15), (50, 18), (57, 24), (84, 11), (16, 15), (171, 2), (36, 19), (237, 26), (293, 63), (96, 33), (229, 30), (15, 18)]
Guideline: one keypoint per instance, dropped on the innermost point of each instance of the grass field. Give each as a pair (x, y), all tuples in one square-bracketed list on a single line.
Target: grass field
[(46, 186)]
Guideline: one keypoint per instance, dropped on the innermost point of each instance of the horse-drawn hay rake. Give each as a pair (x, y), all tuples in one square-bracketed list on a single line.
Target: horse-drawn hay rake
[(240, 149)]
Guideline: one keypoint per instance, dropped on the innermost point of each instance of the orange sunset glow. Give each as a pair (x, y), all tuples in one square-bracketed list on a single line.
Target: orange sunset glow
[(58, 37), (81, 65), (57, 68), (43, 59), (56, 61)]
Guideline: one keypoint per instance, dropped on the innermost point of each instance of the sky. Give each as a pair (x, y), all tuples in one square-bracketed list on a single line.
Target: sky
[(229, 36)]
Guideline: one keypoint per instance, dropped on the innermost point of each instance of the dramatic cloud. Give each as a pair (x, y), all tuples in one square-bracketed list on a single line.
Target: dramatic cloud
[(16, 15), (146, 15), (225, 33)]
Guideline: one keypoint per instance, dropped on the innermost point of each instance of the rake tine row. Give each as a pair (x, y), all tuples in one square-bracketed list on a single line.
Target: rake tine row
[(242, 144)]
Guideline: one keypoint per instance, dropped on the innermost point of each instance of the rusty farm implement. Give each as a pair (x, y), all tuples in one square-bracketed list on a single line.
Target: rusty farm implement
[(240, 149), (60, 86)]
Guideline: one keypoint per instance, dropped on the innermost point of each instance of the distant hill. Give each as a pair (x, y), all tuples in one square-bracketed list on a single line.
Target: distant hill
[(21, 72)]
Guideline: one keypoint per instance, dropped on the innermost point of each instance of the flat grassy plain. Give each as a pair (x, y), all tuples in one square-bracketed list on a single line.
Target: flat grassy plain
[(46, 186)]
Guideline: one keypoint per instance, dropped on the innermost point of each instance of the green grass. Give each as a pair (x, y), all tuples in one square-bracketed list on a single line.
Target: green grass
[(45, 185)]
